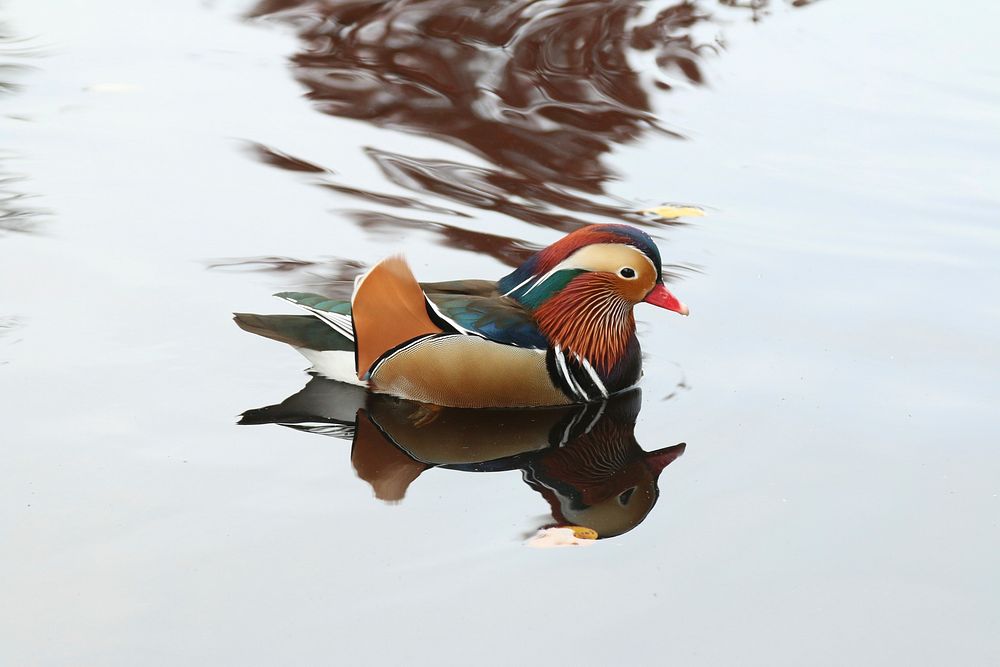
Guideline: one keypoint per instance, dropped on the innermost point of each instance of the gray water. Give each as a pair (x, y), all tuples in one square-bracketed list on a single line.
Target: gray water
[(838, 501)]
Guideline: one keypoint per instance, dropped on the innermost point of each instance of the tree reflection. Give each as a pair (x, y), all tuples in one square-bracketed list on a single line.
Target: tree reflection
[(15, 213), (540, 89)]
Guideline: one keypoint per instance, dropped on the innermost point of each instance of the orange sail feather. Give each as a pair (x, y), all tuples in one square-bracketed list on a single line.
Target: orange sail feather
[(389, 309)]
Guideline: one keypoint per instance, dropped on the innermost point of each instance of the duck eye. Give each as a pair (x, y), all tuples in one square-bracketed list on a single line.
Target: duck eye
[(627, 272), (625, 496)]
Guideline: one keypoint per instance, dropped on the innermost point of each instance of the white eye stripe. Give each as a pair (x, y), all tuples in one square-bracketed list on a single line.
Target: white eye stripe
[(587, 258), (568, 376)]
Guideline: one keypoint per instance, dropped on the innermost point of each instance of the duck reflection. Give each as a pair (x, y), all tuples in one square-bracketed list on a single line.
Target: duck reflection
[(584, 460)]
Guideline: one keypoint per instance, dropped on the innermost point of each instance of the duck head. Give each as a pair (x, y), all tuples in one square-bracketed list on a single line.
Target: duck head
[(582, 289), (620, 258)]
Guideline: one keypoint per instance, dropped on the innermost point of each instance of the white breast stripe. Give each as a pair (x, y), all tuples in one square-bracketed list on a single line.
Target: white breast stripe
[(593, 376), (564, 370)]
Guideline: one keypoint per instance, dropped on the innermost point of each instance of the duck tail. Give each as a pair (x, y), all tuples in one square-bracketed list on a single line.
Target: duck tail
[(300, 331), (389, 309)]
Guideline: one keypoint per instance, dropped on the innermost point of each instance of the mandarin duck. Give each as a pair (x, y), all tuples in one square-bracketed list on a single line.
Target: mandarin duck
[(583, 459), (557, 330)]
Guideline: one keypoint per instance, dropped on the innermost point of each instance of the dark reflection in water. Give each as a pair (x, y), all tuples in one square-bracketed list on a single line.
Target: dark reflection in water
[(15, 214), (542, 90), (508, 251), (333, 276), (584, 460)]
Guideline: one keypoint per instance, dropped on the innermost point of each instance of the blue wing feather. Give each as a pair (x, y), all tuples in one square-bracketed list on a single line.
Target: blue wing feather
[(497, 318), (474, 306)]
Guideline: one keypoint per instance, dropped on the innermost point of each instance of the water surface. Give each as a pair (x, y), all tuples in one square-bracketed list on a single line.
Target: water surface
[(837, 498)]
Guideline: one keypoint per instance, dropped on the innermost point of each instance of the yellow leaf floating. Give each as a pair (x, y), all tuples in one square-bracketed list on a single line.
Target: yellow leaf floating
[(673, 211), (583, 532), (563, 536)]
